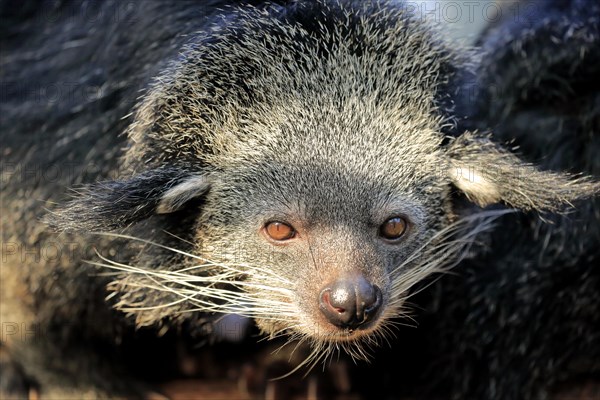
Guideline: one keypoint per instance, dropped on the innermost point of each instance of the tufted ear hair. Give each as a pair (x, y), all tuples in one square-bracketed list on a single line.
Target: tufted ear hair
[(111, 205), (487, 174)]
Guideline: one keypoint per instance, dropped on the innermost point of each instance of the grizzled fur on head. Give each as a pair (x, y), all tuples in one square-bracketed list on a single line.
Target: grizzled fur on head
[(326, 115)]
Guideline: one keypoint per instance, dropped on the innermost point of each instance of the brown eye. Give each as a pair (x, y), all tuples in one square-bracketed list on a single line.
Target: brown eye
[(393, 228), (279, 231)]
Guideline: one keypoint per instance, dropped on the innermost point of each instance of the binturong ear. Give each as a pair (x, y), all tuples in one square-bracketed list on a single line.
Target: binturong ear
[(487, 174), (111, 205)]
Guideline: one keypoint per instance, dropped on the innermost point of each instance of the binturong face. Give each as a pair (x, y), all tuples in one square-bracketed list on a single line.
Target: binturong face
[(326, 253), (303, 166), (327, 235)]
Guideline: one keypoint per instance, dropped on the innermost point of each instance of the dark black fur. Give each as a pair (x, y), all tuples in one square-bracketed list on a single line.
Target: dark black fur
[(71, 73), (522, 319)]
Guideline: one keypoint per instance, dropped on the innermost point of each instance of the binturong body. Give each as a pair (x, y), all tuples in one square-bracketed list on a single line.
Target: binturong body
[(296, 163)]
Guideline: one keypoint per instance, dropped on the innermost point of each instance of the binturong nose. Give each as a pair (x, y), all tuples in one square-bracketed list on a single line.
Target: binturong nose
[(350, 302)]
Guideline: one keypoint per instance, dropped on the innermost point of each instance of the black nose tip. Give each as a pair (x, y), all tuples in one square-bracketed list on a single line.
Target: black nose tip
[(350, 302)]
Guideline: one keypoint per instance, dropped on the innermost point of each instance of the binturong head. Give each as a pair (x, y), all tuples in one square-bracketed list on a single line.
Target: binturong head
[(303, 152)]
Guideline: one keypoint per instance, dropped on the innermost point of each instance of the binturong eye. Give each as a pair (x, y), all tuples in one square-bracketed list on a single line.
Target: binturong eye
[(279, 231), (393, 229)]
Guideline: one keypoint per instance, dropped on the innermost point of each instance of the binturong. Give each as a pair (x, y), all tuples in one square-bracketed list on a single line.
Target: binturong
[(314, 161), (300, 165)]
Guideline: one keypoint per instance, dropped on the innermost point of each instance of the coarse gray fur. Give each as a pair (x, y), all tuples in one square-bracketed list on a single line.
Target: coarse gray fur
[(331, 116)]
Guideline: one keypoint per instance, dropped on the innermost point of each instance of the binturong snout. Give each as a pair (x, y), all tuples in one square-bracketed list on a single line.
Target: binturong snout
[(350, 302)]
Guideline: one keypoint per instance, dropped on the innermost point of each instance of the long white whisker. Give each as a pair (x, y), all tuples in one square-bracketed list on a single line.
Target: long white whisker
[(254, 291)]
